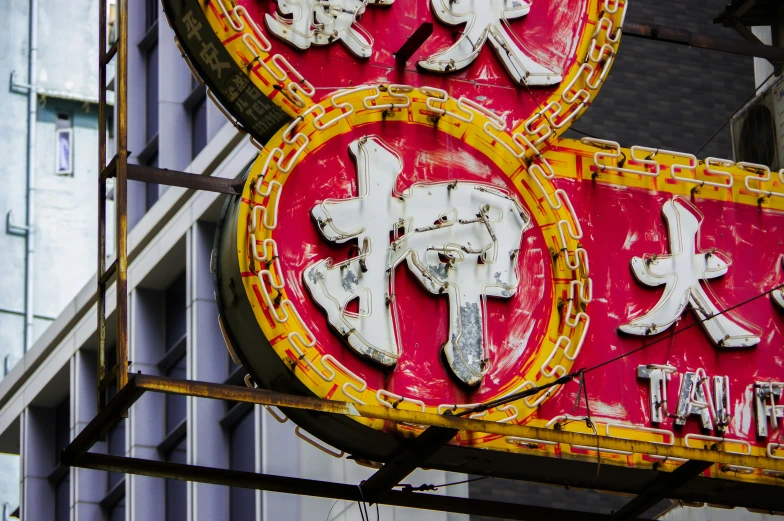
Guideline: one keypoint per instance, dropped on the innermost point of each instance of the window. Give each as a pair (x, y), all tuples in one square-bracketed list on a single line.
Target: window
[(150, 13), (196, 105), (242, 501), (116, 447), (198, 127), (173, 364), (151, 194), (117, 512), (240, 426), (62, 505), (64, 145), (114, 501), (61, 477), (151, 114)]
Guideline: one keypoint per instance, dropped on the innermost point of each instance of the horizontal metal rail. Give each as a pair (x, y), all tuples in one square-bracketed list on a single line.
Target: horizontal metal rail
[(677, 36), (325, 489), (138, 384)]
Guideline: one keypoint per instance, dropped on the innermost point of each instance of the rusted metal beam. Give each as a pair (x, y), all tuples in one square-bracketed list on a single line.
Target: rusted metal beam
[(102, 171), (103, 421), (103, 280), (121, 196), (410, 458), (162, 176), (677, 36), (661, 488), (239, 394), (309, 487)]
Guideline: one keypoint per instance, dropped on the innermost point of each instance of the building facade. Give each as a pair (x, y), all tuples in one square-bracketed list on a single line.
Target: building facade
[(656, 96), (48, 146)]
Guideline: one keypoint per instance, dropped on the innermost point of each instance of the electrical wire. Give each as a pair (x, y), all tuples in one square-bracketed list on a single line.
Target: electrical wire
[(426, 487), (330, 509), (569, 377), (679, 331), (753, 94)]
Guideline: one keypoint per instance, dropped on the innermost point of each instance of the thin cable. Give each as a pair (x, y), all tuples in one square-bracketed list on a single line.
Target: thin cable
[(346, 509), (753, 94), (426, 487), (330, 509), (363, 505), (359, 503), (679, 331)]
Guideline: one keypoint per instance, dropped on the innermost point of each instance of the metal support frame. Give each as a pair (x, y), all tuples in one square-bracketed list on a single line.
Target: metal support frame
[(117, 375), (414, 453), (379, 488), (666, 34), (405, 462), (661, 488)]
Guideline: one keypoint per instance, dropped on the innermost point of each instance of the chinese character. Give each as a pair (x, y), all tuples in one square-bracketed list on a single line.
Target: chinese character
[(236, 85), (192, 25), (485, 20), (320, 22), (680, 273), (209, 54), (459, 239)]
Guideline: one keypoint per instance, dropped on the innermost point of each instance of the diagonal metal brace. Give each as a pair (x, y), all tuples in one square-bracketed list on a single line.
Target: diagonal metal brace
[(163, 176), (410, 458), (661, 488), (14, 229)]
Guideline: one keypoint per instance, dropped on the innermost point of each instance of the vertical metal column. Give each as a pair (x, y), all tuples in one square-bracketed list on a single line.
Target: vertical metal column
[(121, 195), (117, 168)]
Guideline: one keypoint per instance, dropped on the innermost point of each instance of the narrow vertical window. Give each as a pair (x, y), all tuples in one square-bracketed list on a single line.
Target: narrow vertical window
[(151, 13), (61, 477), (198, 127), (113, 502), (151, 116), (242, 501), (64, 145), (173, 448)]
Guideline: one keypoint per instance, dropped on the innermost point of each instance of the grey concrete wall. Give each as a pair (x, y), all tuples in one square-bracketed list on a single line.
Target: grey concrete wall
[(65, 205), (68, 48)]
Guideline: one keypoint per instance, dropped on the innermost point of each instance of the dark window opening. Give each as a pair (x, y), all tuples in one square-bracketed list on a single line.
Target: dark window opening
[(150, 13), (151, 194), (242, 457), (117, 512), (174, 364), (176, 490), (63, 121), (62, 427), (116, 447), (152, 98), (758, 137), (61, 476), (198, 127), (62, 498)]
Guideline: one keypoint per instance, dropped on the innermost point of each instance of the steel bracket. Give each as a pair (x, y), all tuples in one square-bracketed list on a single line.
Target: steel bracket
[(14, 229)]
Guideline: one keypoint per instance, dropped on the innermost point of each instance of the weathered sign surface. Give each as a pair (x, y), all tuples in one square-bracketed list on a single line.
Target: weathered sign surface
[(420, 237)]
